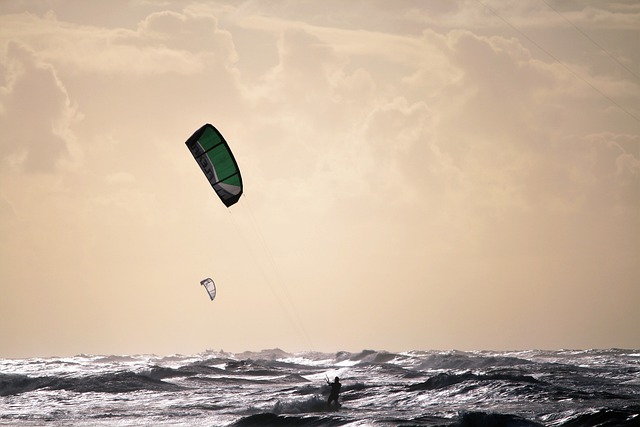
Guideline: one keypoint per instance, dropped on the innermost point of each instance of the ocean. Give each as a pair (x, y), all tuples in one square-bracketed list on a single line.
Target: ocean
[(274, 388)]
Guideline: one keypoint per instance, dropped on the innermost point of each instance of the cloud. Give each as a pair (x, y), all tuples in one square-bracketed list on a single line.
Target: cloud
[(35, 114), (457, 120), (610, 176), (164, 42), (188, 31), (495, 14), (501, 126)]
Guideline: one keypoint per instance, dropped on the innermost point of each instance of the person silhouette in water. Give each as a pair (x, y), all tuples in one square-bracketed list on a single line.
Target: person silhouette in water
[(335, 391)]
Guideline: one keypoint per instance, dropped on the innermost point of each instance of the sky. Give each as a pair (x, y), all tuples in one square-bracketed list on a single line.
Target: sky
[(417, 175)]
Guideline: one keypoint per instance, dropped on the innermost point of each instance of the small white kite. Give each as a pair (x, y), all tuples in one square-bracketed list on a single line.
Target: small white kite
[(210, 287)]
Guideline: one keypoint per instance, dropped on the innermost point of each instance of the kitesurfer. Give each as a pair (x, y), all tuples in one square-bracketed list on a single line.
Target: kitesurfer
[(335, 391)]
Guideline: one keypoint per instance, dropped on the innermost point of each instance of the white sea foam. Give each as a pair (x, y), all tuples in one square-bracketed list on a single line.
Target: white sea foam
[(525, 388)]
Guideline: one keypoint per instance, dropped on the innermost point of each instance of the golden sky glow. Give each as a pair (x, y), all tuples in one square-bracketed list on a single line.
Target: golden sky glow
[(418, 175)]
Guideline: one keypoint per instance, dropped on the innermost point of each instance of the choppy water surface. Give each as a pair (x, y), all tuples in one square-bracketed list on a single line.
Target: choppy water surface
[(272, 387)]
